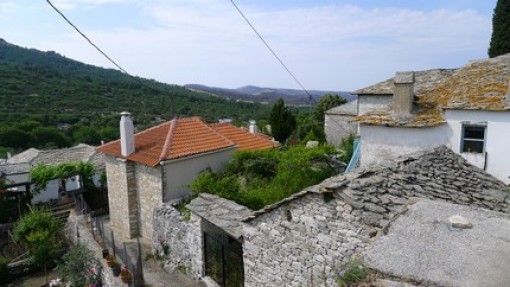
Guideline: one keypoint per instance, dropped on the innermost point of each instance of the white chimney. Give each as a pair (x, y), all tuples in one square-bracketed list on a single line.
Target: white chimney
[(253, 127), (127, 135)]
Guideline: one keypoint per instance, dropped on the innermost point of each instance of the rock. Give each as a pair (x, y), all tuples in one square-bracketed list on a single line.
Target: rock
[(311, 144), (457, 221)]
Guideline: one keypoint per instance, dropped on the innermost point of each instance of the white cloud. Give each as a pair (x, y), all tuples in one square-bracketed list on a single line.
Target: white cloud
[(335, 47)]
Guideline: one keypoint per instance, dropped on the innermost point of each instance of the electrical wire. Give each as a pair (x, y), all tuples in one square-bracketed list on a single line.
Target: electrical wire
[(272, 51), (86, 38), (101, 51)]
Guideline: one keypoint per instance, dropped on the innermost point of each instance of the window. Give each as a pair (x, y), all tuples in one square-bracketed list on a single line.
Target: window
[(473, 138)]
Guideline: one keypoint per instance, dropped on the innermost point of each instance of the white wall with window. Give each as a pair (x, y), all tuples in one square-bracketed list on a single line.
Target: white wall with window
[(482, 138)]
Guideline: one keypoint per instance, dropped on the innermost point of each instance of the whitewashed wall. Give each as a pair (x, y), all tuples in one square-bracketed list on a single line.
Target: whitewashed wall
[(380, 144), (49, 193), (180, 173), (497, 144), (338, 127)]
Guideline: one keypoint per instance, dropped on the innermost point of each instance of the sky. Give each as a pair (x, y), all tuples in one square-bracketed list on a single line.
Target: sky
[(327, 44)]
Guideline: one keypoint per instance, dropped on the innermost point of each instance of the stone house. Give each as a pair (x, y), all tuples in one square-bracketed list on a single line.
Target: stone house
[(340, 122), (466, 109), (17, 168), (156, 165), (301, 240)]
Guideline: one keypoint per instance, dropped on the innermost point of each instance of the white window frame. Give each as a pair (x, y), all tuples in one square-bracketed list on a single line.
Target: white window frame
[(463, 138)]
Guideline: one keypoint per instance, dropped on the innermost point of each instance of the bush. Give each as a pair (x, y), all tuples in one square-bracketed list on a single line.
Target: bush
[(256, 179), (347, 147), (4, 270), (351, 272)]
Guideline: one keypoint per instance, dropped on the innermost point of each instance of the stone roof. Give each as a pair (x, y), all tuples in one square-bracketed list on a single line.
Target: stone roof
[(25, 156), (174, 139), (23, 161), (422, 246), (349, 109), (223, 213), (243, 138), (480, 85), (424, 80), (14, 168), (379, 193)]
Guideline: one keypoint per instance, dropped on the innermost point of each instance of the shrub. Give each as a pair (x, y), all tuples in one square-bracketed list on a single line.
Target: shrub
[(4, 270), (351, 272), (256, 179)]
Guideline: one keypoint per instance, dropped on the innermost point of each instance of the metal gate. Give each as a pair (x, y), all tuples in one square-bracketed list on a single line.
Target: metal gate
[(223, 258)]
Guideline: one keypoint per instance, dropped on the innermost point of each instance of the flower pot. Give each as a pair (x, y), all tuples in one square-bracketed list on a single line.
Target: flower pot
[(125, 275), (110, 260), (105, 253), (116, 270)]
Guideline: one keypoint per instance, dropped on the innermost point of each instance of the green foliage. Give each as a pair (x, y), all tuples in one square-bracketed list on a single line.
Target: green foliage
[(325, 103), (347, 148), (258, 178), (500, 40), (62, 96), (78, 266), (4, 151), (351, 272), (41, 173), (38, 231), (282, 121)]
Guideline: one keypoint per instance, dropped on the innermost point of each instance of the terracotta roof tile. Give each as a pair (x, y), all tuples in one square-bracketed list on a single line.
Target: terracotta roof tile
[(243, 138), (480, 85), (171, 140)]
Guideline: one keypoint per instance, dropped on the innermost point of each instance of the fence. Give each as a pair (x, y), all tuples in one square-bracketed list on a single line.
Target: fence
[(129, 253)]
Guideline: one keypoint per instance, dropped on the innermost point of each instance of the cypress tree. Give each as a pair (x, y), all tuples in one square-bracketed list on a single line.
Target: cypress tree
[(500, 41), (282, 121)]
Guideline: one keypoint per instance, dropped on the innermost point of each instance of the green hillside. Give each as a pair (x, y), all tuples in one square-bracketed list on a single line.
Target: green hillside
[(51, 91)]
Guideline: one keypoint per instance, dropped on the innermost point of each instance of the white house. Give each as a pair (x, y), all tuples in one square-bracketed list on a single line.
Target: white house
[(340, 122), (16, 170), (157, 165), (466, 109)]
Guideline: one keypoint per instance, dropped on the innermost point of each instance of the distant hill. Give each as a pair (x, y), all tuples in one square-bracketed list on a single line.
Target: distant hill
[(267, 95), (49, 87)]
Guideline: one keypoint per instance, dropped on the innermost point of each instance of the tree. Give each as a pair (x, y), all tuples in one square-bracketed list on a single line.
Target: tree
[(500, 40), (325, 103), (38, 231), (282, 121)]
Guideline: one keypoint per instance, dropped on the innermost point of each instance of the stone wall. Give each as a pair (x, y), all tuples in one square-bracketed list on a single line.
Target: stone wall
[(182, 237), (301, 243), (150, 193), (122, 197), (300, 240), (372, 103)]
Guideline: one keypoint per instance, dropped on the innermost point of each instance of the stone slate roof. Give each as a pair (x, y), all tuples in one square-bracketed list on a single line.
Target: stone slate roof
[(22, 162), (424, 80), (379, 193), (223, 213), (14, 168), (480, 85), (422, 246), (243, 138), (349, 109), (174, 139)]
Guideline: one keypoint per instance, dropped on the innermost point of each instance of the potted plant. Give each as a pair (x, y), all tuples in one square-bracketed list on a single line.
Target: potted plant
[(116, 269), (125, 275), (110, 260)]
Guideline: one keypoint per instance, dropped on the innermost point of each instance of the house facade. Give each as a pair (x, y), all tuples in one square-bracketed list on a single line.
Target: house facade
[(466, 109), (156, 165), (340, 122)]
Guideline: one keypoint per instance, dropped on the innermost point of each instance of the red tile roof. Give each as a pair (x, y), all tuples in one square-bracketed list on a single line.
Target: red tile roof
[(171, 140), (243, 138)]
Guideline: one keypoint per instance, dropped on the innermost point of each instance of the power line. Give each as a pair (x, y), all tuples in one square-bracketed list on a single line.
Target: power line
[(272, 51), (103, 53), (86, 38)]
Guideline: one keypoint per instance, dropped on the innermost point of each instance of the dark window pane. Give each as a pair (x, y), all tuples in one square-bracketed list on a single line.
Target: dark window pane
[(474, 132), (473, 146)]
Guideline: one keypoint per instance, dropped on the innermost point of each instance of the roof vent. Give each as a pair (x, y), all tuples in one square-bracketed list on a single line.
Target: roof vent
[(403, 95), (127, 136)]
